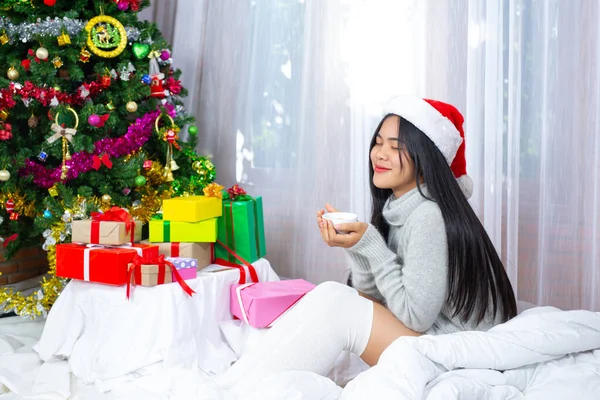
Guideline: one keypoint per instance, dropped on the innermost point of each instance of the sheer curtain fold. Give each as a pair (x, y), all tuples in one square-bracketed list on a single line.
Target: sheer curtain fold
[(288, 93)]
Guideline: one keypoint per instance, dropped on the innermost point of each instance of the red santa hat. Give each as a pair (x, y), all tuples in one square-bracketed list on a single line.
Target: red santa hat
[(443, 124)]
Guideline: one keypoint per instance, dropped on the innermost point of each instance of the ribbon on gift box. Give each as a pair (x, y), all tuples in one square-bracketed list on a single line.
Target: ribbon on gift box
[(175, 249), (114, 214), (135, 267), (91, 247), (225, 263)]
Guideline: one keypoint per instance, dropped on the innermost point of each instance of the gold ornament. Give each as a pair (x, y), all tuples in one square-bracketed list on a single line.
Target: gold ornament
[(12, 74), (169, 135), (67, 136), (32, 122), (103, 33), (4, 175), (57, 88), (110, 106), (64, 39), (42, 53), (213, 190), (106, 198), (174, 166), (4, 114), (84, 56), (53, 191), (131, 106), (57, 62), (154, 175), (4, 38)]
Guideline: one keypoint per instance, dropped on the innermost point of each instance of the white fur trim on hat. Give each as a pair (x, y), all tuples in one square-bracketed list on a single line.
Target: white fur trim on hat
[(430, 121), (466, 184)]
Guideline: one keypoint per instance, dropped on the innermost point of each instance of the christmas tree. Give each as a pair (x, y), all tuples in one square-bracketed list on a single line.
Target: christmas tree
[(91, 116)]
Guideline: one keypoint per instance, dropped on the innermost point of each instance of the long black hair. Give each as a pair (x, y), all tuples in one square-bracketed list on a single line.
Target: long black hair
[(476, 276)]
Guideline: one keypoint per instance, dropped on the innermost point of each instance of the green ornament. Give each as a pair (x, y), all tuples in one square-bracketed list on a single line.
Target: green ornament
[(193, 130), (140, 50), (140, 180)]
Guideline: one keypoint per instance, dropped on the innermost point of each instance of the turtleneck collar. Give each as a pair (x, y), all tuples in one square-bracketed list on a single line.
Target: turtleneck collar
[(397, 210)]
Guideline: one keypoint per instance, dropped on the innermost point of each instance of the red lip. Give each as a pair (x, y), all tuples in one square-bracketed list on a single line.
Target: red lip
[(381, 170)]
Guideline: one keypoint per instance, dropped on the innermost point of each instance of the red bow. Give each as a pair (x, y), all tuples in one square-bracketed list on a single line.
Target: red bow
[(103, 119), (116, 214), (137, 263), (11, 238), (98, 161), (235, 191)]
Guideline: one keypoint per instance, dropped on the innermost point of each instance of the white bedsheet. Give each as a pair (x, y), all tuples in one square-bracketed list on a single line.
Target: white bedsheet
[(544, 353), (105, 337)]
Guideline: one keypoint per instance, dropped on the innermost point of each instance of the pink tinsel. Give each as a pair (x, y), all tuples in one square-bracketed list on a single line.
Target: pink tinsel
[(137, 135)]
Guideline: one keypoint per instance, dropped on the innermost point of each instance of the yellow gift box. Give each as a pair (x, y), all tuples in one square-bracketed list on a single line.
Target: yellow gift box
[(192, 208), (176, 231)]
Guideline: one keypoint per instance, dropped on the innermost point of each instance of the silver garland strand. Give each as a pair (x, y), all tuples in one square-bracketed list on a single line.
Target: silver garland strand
[(27, 32)]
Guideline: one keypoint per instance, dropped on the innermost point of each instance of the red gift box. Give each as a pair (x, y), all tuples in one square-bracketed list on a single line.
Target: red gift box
[(99, 263)]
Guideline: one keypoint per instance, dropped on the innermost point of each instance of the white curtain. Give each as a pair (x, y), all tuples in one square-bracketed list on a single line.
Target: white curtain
[(288, 92)]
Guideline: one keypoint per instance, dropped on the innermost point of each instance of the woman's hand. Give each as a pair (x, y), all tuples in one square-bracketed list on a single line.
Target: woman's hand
[(354, 230)]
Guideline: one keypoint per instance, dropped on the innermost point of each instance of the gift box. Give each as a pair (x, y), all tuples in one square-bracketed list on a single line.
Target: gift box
[(153, 271), (259, 304), (113, 227), (175, 231), (187, 267), (153, 274), (203, 252), (192, 208), (241, 229), (99, 263)]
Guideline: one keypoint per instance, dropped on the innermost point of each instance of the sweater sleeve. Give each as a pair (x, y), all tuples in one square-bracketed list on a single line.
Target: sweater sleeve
[(415, 290), (362, 278)]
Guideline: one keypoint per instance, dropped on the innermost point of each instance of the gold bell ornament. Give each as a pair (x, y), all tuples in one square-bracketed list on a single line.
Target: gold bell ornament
[(66, 134), (169, 134)]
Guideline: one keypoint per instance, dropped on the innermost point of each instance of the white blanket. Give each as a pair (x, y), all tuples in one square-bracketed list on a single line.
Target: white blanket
[(544, 353)]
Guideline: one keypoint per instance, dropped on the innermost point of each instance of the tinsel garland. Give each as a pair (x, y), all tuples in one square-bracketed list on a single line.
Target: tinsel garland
[(81, 162), (22, 205), (39, 302), (31, 31), (46, 96)]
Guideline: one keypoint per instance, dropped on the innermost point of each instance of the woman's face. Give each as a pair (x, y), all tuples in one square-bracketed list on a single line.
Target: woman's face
[(389, 171)]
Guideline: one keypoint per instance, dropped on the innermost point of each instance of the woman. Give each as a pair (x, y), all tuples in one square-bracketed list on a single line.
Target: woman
[(424, 265)]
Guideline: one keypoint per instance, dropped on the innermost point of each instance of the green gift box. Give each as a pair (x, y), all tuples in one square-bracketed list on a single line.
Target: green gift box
[(175, 231), (241, 228)]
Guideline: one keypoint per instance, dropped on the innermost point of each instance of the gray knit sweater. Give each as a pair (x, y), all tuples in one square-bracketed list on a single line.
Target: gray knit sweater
[(409, 273)]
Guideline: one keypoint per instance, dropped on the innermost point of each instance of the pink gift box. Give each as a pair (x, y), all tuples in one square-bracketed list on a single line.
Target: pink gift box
[(259, 304), (187, 267)]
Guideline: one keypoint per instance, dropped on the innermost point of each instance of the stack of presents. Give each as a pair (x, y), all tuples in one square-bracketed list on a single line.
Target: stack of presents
[(192, 233)]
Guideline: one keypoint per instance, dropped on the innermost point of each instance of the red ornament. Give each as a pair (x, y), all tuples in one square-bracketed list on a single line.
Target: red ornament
[(173, 85), (147, 164), (156, 88), (5, 131), (50, 3), (171, 136), (84, 56), (10, 206), (14, 216), (26, 64), (105, 80)]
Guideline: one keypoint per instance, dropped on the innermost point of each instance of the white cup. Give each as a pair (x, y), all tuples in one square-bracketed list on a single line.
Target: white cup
[(341, 218)]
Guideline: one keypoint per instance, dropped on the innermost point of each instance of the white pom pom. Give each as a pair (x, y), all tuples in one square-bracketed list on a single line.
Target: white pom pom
[(466, 184)]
